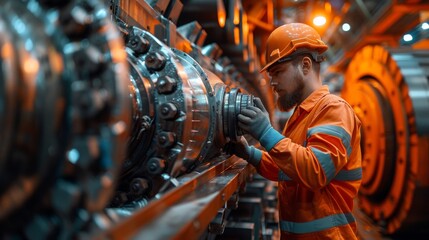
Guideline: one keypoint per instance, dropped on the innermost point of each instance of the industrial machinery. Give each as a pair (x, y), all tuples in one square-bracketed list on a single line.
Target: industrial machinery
[(114, 115), (187, 99), (183, 115), (388, 89), (103, 117), (64, 112)]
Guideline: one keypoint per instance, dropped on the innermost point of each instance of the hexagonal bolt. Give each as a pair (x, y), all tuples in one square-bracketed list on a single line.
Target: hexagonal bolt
[(82, 18), (138, 44), (166, 139), (139, 186), (90, 60), (155, 165), (155, 61), (168, 111), (166, 84)]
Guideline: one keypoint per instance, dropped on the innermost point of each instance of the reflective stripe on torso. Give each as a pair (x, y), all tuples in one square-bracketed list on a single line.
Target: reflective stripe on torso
[(318, 224)]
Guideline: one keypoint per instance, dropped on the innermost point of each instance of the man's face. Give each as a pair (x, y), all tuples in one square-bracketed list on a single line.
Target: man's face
[(288, 84)]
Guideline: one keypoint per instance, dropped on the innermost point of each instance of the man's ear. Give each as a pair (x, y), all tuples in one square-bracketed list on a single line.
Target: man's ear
[(306, 64)]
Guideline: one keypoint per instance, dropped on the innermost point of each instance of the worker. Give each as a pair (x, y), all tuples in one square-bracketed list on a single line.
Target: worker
[(317, 158)]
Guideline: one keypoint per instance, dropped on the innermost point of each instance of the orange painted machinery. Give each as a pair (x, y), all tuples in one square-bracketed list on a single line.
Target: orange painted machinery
[(389, 90)]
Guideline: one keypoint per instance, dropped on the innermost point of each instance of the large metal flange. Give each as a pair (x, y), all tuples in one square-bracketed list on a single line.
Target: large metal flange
[(32, 113), (172, 90), (72, 117)]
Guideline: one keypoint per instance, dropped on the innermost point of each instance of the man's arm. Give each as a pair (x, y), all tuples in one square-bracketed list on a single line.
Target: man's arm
[(327, 145)]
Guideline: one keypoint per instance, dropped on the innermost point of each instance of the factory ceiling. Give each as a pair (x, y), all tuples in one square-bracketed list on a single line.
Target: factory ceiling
[(369, 22)]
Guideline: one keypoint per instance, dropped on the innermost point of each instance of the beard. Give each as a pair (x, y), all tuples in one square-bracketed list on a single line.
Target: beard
[(286, 102)]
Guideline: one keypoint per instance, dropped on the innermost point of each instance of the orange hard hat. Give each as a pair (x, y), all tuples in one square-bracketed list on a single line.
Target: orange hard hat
[(293, 38)]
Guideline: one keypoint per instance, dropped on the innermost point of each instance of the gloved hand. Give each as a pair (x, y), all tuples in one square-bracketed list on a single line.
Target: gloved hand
[(242, 150), (255, 120)]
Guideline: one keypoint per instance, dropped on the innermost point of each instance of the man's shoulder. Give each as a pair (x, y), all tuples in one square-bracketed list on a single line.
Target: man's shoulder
[(333, 100), (330, 98)]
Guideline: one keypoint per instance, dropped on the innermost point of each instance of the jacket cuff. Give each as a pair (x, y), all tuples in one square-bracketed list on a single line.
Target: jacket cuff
[(270, 138), (255, 156)]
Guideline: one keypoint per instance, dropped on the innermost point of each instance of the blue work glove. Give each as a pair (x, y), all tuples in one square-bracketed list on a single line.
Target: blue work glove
[(255, 120), (242, 150)]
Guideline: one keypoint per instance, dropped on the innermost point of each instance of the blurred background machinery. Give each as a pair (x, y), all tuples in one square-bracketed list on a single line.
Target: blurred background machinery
[(115, 113), (389, 91), (64, 112)]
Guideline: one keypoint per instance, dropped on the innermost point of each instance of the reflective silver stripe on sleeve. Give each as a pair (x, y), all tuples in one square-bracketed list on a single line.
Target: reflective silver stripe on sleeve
[(326, 163), (283, 176), (318, 224), (349, 175), (335, 131)]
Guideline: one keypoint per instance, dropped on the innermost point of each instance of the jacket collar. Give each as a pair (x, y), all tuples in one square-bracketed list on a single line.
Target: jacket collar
[(308, 104)]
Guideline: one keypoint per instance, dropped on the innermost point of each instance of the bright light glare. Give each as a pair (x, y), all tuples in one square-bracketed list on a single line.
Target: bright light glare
[(425, 26), (346, 27), (319, 21), (408, 37)]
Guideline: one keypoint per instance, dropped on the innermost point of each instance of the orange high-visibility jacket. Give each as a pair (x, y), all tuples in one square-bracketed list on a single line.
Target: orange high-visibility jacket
[(317, 163)]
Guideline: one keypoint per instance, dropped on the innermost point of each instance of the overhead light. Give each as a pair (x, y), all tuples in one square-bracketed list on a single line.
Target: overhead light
[(221, 13), (328, 7), (319, 21), (425, 26), (346, 27), (407, 37)]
